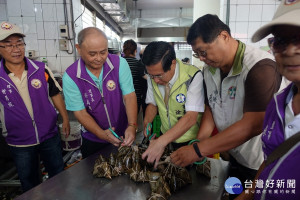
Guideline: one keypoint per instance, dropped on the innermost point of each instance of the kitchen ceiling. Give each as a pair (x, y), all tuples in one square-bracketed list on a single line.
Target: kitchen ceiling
[(159, 4), (134, 15)]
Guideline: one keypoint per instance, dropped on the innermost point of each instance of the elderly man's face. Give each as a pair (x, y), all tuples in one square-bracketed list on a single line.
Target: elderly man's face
[(286, 49), (12, 49), (93, 50), (157, 73)]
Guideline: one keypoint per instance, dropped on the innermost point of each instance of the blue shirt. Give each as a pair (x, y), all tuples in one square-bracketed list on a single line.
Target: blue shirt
[(72, 93)]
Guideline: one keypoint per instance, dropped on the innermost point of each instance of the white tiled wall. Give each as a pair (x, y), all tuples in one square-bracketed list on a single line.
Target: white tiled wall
[(27, 8), (3, 11), (14, 7), (181, 54), (247, 16), (40, 20)]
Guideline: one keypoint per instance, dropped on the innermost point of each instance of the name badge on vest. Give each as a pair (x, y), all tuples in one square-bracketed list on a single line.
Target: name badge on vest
[(180, 98), (111, 85), (36, 83)]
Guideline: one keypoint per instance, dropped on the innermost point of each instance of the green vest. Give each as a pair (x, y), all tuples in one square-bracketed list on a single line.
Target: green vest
[(170, 114)]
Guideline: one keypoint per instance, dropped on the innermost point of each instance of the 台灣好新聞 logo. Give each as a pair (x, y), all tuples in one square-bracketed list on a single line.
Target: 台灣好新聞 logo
[(233, 185)]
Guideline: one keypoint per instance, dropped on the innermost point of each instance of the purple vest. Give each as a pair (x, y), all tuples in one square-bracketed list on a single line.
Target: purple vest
[(92, 97), (19, 128), (285, 169)]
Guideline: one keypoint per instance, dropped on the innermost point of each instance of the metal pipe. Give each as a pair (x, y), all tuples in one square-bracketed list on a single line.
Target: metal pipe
[(94, 5), (228, 12), (14, 183), (73, 30), (107, 1)]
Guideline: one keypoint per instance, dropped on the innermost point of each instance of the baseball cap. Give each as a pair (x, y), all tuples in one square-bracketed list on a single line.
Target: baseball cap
[(7, 29), (288, 13)]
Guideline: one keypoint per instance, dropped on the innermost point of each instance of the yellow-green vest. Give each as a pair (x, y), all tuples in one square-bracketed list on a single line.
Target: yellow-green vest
[(170, 114)]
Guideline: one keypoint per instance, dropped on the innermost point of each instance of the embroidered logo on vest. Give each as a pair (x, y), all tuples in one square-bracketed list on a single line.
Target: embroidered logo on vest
[(180, 98), (111, 85), (232, 92), (36, 83)]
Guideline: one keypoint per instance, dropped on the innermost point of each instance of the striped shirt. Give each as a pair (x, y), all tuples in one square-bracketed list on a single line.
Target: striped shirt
[(137, 71)]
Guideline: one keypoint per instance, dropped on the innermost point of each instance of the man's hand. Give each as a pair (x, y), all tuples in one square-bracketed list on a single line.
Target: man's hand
[(131, 111), (66, 128), (130, 133), (184, 156), (111, 138), (154, 151), (59, 104)]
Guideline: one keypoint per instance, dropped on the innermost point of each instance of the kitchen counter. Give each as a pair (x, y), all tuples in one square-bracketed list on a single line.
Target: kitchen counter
[(78, 183)]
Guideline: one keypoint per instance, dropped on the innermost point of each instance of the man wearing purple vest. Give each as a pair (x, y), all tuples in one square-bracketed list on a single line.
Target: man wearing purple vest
[(99, 89), (26, 112), (280, 178)]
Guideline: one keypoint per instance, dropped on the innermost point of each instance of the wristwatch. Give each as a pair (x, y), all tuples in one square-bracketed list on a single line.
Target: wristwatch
[(196, 148)]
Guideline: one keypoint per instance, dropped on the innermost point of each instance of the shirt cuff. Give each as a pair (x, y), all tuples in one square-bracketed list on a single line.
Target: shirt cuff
[(195, 108)]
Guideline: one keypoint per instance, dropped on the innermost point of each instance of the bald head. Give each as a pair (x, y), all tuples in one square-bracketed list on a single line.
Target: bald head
[(93, 48), (84, 33)]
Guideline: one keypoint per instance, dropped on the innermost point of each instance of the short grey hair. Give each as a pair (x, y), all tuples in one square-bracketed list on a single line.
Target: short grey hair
[(84, 32)]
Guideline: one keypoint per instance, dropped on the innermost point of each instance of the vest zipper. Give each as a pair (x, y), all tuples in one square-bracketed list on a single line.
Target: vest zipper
[(105, 108), (167, 106), (36, 131), (33, 121), (168, 116)]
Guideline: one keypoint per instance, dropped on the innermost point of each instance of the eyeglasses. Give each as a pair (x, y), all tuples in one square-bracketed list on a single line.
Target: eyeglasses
[(199, 53), (10, 47), (279, 44), (157, 76)]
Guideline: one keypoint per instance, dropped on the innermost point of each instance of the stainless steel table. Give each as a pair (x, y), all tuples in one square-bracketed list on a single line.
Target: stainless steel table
[(78, 183)]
